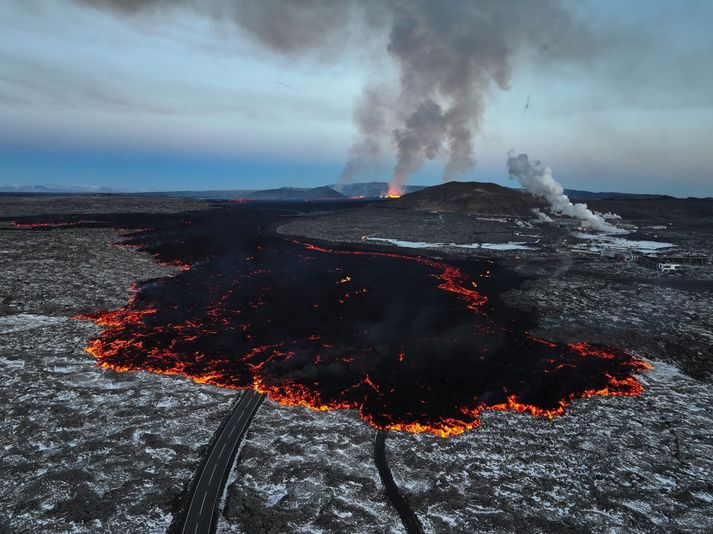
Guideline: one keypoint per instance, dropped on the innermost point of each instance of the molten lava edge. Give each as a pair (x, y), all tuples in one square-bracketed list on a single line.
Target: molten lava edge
[(411, 343)]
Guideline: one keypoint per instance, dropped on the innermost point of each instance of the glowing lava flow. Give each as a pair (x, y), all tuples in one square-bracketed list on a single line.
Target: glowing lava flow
[(406, 341), (394, 191), (451, 277), (47, 225)]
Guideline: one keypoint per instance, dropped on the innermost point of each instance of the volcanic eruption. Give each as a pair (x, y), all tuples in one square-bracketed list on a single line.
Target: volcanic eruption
[(409, 342), (431, 65)]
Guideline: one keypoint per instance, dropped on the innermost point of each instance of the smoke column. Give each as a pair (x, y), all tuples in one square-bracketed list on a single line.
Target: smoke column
[(450, 55), (538, 180)]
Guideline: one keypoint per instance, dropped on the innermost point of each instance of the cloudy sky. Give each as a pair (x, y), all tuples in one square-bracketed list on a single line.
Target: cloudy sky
[(240, 94)]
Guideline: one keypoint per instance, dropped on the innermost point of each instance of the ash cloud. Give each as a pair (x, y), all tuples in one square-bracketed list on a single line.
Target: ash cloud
[(449, 57), (290, 28), (371, 119), (540, 182)]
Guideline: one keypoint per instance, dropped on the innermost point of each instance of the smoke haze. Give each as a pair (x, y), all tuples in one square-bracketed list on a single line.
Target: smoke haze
[(449, 57)]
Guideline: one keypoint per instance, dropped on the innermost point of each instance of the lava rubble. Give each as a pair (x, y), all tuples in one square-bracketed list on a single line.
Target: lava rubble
[(637, 464), (412, 343), (84, 449)]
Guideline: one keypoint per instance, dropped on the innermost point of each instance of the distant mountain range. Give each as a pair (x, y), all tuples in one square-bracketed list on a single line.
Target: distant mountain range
[(219, 194), (52, 188), (576, 194), (331, 192)]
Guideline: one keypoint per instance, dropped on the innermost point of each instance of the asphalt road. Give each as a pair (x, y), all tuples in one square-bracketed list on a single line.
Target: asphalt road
[(202, 513)]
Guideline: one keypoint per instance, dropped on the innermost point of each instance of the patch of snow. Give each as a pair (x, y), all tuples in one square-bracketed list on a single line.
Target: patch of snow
[(446, 519), (645, 247), (279, 493), (702, 495), (26, 321), (164, 454), (406, 244), (510, 245), (11, 364)]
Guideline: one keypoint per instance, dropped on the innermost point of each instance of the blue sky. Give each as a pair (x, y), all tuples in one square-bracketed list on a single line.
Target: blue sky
[(176, 100)]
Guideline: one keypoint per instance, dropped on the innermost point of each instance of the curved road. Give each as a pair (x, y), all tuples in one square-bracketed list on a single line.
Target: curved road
[(202, 513)]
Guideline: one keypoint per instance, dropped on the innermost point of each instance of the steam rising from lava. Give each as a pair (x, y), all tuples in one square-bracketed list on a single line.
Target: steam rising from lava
[(409, 342), (449, 56), (539, 181)]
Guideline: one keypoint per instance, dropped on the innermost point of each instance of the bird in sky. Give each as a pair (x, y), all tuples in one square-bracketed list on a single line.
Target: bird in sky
[(285, 85), (527, 104)]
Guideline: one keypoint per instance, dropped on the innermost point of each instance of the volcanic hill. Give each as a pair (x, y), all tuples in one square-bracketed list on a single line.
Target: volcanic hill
[(297, 193), (471, 198)]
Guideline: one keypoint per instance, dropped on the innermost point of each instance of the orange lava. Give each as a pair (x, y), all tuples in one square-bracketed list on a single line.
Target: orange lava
[(128, 330), (297, 395), (48, 225), (394, 191), (452, 279)]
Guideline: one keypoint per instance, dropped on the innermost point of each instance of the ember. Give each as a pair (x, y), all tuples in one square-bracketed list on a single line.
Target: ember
[(409, 342)]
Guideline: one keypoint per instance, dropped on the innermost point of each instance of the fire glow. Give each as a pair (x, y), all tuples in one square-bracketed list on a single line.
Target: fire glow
[(394, 191), (409, 342)]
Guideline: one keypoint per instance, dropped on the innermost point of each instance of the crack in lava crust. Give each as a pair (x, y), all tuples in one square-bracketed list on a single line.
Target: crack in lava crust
[(409, 342)]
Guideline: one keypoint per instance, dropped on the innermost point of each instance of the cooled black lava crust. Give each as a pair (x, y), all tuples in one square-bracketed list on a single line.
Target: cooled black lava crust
[(412, 343)]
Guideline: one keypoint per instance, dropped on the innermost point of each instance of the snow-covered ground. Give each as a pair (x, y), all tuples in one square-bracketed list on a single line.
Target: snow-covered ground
[(85, 449), (510, 245), (645, 247), (637, 464), (22, 322), (307, 471), (616, 464)]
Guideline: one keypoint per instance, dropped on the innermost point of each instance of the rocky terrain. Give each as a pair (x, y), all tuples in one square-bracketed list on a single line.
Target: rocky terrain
[(614, 464), (360, 225), (636, 464), (665, 315), (18, 205), (86, 449)]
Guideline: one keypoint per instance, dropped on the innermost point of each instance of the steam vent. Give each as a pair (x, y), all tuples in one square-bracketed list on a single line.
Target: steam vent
[(356, 266)]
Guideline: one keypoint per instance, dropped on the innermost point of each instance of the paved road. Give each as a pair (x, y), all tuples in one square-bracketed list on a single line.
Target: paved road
[(202, 513)]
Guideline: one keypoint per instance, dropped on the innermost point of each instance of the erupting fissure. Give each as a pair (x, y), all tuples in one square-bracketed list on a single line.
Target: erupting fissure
[(406, 341), (394, 191)]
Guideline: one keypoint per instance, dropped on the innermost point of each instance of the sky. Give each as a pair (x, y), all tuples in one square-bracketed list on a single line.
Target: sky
[(201, 96)]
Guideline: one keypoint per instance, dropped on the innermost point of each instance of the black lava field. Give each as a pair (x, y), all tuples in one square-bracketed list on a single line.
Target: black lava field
[(410, 342)]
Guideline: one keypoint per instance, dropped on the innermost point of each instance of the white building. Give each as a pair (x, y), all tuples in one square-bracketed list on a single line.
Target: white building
[(668, 267)]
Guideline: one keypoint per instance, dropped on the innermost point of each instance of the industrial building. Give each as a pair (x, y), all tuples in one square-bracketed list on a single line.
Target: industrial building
[(685, 258)]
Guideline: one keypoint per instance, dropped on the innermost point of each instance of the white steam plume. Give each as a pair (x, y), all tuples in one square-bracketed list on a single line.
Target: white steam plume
[(541, 215), (449, 57), (538, 180)]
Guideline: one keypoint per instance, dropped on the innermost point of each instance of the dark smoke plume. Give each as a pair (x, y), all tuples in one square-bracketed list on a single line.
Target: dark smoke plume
[(450, 55)]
